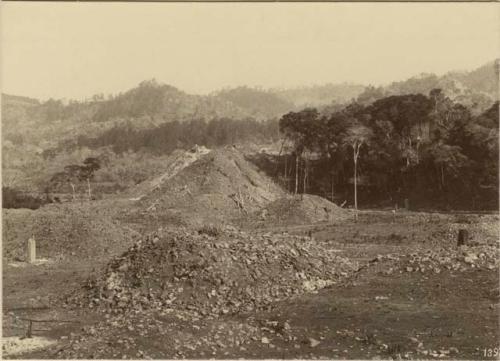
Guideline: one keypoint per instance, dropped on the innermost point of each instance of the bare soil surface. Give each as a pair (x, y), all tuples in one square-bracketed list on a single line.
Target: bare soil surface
[(67, 231), (216, 188), (445, 307)]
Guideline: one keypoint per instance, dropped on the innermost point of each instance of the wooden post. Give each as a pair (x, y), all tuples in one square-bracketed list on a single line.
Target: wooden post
[(407, 204), (463, 236), (31, 257), (29, 333)]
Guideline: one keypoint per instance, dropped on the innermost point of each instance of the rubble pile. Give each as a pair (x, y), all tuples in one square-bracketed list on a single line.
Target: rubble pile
[(233, 272), (216, 188), (464, 258), (301, 209)]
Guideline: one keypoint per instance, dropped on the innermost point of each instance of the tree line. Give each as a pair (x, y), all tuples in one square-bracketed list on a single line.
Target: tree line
[(169, 136), (425, 148)]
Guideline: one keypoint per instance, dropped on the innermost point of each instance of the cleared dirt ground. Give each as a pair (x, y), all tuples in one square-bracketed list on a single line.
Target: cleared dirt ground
[(382, 311)]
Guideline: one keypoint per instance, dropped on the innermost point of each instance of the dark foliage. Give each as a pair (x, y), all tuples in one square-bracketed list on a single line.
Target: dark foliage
[(427, 149), (174, 135), (12, 198), (256, 101)]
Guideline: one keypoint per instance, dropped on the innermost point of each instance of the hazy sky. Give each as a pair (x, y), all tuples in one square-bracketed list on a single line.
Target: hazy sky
[(75, 50)]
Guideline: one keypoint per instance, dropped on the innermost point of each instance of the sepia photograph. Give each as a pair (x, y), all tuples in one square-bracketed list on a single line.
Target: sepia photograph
[(250, 180)]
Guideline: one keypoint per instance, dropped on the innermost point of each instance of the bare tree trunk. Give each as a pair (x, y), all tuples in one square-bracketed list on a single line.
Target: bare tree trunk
[(277, 170), (304, 189), (442, 175), (296, 173), (88, 185), (332, 181), (355, 189), (286, 174), (407, 157), (418, 147), (356, 148), (73, 188), (437, 175)]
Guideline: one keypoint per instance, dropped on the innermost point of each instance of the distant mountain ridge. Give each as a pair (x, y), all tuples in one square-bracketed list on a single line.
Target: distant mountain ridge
[(484, 78), (476, 89), (151, 103), (319, 95), (11, 99), (166, 102), (256, 101)]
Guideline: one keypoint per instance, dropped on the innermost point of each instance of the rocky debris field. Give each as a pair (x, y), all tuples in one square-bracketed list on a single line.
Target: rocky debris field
[(459, 259), (230, 272), (150, 334), (388, 286), (411, 230), (413, 321)]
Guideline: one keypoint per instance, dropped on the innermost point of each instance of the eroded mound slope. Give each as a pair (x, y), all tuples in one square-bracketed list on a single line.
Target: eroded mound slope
[(231, 272), (64, 230), (177, 161), (220, 186)]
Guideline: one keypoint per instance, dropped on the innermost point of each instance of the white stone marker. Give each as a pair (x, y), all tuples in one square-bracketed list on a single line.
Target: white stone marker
[(31, 250)]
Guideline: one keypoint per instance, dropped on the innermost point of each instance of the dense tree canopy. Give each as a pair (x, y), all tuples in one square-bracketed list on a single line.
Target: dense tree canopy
[(424, 148), (169, 136)]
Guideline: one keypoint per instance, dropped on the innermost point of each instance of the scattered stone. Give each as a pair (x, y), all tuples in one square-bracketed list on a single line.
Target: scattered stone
[(438, 259), (313, 343), (186, 270)]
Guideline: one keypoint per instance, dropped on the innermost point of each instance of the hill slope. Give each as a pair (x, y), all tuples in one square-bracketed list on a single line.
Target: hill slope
[(319, 95), (476, 89), (218, 187), (257, 103)]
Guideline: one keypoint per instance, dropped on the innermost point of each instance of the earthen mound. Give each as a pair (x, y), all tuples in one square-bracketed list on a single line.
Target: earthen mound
[(229, 273), (301, 209), (218, 187), (63, 231)]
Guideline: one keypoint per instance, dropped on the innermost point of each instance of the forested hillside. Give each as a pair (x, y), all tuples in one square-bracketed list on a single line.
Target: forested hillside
[(475, 89), (258, 103), (425, 148), (456, 143)]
